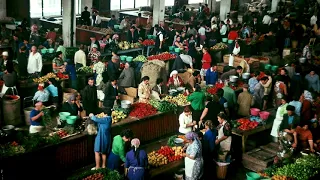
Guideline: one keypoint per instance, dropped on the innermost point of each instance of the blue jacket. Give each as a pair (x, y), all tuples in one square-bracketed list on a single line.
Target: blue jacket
[(209, 142), (71, 70), (211, 77)]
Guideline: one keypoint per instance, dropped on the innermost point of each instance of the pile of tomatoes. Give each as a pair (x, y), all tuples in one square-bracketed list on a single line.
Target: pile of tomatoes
[(148, 42), (214, 90), (246, 124), (163, 57), (62, 133), (141, 110), (62, 76), (169, 153)]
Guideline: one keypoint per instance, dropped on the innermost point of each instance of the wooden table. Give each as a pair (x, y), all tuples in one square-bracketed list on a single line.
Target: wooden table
[(244, 134)]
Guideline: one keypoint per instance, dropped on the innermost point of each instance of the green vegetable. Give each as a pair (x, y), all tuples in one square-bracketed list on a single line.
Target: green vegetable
[(310, 160), (171, 142), (140, 58), (296, 171), (163, 106), (108, 174), (85, 70)]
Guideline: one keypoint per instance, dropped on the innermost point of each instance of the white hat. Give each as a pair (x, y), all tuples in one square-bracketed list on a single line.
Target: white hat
[(5, 53), (94, 46), (173, 72)]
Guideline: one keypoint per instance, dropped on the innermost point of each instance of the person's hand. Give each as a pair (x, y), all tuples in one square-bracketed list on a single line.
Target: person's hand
[(312, 150), (217, 141), (294, 145), (41, 113), (184, 154), (122, 164), (90, 115)]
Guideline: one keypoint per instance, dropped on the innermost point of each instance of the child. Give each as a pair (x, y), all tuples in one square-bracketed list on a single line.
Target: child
[(71, 71)]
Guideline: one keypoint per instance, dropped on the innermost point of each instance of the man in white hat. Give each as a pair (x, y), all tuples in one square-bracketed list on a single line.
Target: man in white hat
[(3, 61)]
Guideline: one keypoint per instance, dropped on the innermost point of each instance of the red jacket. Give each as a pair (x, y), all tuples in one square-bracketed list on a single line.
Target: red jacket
[(233, 35), (172, 81), (207, 61)]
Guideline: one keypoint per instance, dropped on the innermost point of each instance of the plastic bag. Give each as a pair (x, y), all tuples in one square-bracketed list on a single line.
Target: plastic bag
[(236, 49), (231, 60)]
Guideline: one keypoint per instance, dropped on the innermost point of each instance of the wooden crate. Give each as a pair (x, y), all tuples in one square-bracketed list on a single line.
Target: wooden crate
[(259, 158)]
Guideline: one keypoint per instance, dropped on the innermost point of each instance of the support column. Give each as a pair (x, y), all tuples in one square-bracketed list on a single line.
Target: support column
[(3, 8), (274, 5), (225, 6), (87, 3), (69, 23), (158, 11)]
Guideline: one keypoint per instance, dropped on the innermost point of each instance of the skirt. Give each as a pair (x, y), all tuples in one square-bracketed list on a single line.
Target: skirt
[(114, 162)]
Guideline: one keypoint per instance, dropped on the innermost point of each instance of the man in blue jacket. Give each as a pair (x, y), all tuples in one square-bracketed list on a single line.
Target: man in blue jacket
[(212, 75)]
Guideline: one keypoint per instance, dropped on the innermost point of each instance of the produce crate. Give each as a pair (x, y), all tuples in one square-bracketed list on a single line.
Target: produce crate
[(260, 158)]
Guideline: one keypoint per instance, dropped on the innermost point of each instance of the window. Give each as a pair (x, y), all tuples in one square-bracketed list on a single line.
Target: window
[(45, 8), (127, 4), (169, 2), (141, 3), (195, 1)]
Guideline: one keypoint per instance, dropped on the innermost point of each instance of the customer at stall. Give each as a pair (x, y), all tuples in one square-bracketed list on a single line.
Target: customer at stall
[(296, 83), (85, 17), (26, 44), (224, 137), (71, 106), (212, 75), (290, 121), (22, 62), (111, 95), (267, 89), (210, 112), (136, 161), (230, 95), (297, 104), (193, 157), (144, 90), (197, 100), (303, 137), (49, 44), (175, 80), (126, 78), (42, 95), (34, 62), (10, 79), (245, 101), (117, 156), (53, 91), (282, 109), (183, 61), (232, 72), (160, 88), (259, 93), (208, 145), (124, 24), (94, 54), (80, 59), (112, 22), (113, 67), (223, 103), (102, 143), (313, 81), (206, 62), (36, 121), (89, 97), (70, 70), (4, 60), (132, 36), (253, 81), (185, 121), (57, 63), (306, 110)]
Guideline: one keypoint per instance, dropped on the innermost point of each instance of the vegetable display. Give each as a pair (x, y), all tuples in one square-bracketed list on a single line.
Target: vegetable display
[(124, 45), (180, 100), (140, 58), (162, 57), (214, 90), (148, 42), (100, 174), (219, 46), (173, 154), (141, 110), (171, 142), (85, 70), (156, 160), (297, 171), (62, 76), (117, 116), (246, 124), (45, 78), (163, 106)]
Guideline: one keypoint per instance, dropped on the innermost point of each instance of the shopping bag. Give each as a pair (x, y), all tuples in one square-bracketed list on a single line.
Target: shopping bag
[(236, 49)]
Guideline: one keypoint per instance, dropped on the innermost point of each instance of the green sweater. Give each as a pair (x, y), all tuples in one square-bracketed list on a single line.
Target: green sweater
[(197, 100), (118, 147)]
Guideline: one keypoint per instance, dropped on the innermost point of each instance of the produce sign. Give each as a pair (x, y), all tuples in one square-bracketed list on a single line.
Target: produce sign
[(246, 124), (141, 110), (180, 100), (148, 42), (140, 58), (117, 116), (219, 46), (45, 78), (163, 106), (124, 45), (162, 57), (85, 70)]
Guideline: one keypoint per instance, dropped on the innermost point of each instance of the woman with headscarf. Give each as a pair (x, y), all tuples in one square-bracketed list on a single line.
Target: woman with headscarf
[(94, 54), (57, 63), (102, 143), (71, 106), (193, 157), (175, 80), (136, 161), (224, 138), (306, 110), (282, 109)]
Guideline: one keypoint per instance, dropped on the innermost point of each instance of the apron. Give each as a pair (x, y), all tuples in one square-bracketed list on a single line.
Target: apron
[(35, 129), (225, 145), (189, 164)]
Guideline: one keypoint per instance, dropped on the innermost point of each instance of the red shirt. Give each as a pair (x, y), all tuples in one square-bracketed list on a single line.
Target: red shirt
[(207, 61), (233, 35)]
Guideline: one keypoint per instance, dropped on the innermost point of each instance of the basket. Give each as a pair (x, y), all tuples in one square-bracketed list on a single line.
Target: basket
[(224, 40), (254, 111), (230, 41), (123, 58), (177, 50), (44, 51), (150, 36), (64, 115), (274, 68), (71, 119), (51, 50), (129, 58), (267, 66), (222, 169), (171, 48), (252, 176), (264, 115)]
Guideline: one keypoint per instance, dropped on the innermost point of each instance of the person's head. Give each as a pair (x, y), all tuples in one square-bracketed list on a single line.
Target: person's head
[(255, 19), (59, 54), (113, 17), (34, 49), (191, 136), (283, 71), (115, 58), (61, 43), (220, 93), (304, 125), (91, 81), (208, 124), (5, 55), (41, 87), (197, 88), (15, 37), (161, 23), (284, 100), (245, 87), (78, 96), (93, 38), (174, 74), (72, 99), (221, 117), (239, 69), (214, 66), (86, 8), (145, 79), (200, 135), (81, 47), (264, 80), (204, 50), (126, 65), (126, 135), (139, 14), (94, 48), (187, 111), (312, 72), (178, 38), (23, 49), (113, 82), (160, 81), (256, 73), (290, 110), (38, 106), (132, 28)]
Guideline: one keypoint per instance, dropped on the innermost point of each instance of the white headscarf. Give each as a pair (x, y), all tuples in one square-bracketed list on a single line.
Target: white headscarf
[(173, 72), (307, 95), (135, 143)]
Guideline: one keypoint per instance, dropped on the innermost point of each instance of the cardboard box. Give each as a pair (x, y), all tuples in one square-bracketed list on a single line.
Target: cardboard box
[(126, 97), (133, 92)]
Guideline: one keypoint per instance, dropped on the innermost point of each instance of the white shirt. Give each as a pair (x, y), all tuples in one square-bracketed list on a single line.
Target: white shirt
[(160, 36), (159, 88), (230, 21), (34, 63), (223, 30), (123, 24), (80, 57), (186, 59), (313, 20), (98, 20), (202, 31), (183, 121), (266, 20)]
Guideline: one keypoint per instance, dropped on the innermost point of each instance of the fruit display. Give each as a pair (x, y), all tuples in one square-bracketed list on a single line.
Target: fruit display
[(62, 133), (141, 110), (278, 177), (148, 42), (125, 45), (85, 70), (219, 46), (140, 58), (101, 115), (117, 116), (214, 90), (155, 159), (180, 100), (163, 57), (172, 154), (45, 78), (163, 106), (97, 176), (246, 124), (107, 30), (62, 76)]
